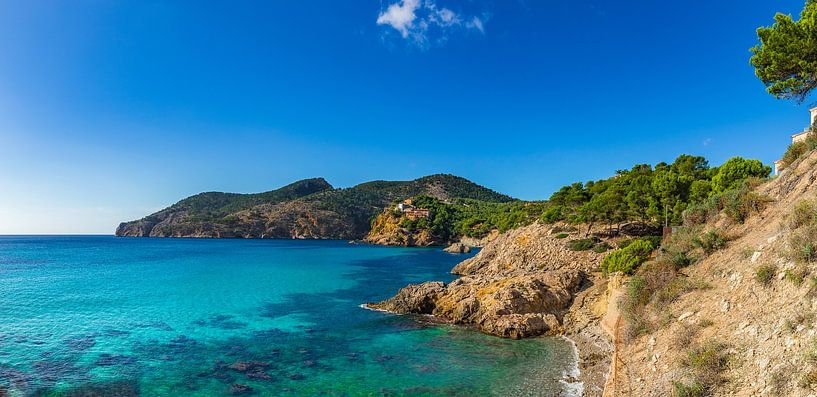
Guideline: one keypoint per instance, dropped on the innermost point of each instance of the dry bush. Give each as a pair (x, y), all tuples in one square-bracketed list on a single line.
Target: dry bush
[(803, 244), (764, 274), (708, 361), (803, 214)]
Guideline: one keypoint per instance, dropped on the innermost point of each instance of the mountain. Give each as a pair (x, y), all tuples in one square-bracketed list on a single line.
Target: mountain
[(310, 209)]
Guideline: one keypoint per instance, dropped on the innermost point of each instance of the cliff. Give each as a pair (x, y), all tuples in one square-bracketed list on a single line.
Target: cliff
[(310, 209)]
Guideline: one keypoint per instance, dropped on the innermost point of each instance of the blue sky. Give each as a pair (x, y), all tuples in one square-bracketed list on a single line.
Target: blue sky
[(110, 110)]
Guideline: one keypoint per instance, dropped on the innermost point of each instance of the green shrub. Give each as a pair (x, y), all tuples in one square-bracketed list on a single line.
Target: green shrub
[(740, 203), (694, 389), (707, 363), (803, 244), (601, 247), (627, 259), (810, 354), (655, 240), (700, 213), (554, 214), (584, 244), (803, 214), (798, 149), (562, 235), (764, 274), (625, 243), (710, 241), (654, 286), (793, 152), (682, 240), (636, 296), (734, 171), (796, 276), (681, 260)]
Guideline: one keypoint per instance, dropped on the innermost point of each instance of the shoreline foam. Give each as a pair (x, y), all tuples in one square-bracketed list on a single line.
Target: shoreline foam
[(571, 382)]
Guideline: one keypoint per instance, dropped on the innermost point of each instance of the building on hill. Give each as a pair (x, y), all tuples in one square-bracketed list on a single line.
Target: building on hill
[(406, 205), (417, 213), (412, 212), (798, 137)]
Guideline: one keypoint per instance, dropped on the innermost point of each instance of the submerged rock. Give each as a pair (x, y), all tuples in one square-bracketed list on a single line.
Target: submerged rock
[(239, 389)]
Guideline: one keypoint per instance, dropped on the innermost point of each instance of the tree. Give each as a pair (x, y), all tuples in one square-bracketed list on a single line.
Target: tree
[(786, 58), (735, 170)]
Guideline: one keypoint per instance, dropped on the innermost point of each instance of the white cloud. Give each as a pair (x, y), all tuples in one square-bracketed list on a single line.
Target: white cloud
[(400, 16), (417, 19), (476, 23)]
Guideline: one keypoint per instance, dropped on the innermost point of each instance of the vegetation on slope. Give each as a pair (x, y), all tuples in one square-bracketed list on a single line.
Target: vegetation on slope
[(450, 220), (643, 193), (305, 209), (648, 194)]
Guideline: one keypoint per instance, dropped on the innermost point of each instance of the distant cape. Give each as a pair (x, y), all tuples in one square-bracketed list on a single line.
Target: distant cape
[(306, 209)]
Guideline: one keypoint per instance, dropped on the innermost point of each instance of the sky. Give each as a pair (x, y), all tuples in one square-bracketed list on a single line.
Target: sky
[(110, 110)]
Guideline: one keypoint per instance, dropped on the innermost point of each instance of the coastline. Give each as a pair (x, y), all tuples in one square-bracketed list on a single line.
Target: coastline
[(583, 325), (571, 381)]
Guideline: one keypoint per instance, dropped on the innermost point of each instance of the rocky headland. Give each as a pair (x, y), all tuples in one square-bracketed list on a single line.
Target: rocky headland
[(388, 229), (307, 209), (524, 283)]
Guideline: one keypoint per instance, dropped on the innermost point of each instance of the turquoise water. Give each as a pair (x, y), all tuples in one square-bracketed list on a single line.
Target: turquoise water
[(106, 316)]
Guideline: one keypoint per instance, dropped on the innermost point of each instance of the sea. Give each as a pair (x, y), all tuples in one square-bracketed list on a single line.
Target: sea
[(108, 316)]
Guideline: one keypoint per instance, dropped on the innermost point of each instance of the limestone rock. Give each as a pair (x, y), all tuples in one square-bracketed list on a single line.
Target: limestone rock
[(418, 299), (458, 248)]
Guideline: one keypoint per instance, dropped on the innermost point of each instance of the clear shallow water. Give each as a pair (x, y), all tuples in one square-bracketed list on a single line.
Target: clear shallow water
[(99, 315)]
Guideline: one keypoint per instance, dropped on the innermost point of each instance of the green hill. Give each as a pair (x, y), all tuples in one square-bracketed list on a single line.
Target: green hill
[(310, 208)]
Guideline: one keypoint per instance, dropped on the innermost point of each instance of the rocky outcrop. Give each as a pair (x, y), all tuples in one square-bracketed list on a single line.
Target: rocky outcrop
[(388, 229), (457, 248), (516, 307), (526, 250), (481, 241), (518, 286)]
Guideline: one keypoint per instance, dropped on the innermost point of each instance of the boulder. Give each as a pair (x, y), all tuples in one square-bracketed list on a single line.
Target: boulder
[(458, 248), (417, 299), (515, 307)]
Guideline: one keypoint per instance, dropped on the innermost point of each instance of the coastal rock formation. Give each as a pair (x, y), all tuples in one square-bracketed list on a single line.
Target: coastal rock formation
[(458, 248), (387, 229), (307, 209), (527, 250), (518, 286)]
